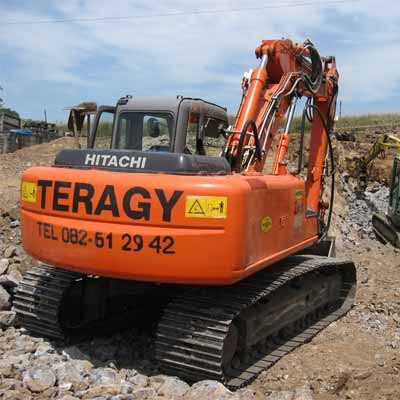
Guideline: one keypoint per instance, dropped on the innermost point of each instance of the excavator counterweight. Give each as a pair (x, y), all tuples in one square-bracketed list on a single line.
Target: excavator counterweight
[(170, 204)]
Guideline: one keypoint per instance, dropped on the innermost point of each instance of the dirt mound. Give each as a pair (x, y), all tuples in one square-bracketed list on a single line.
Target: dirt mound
[(13, 164)]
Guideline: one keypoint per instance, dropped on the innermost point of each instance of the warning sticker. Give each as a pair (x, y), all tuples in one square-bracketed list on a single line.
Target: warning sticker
[(266, 224), (298, 194), (28, 192), (206, 207)]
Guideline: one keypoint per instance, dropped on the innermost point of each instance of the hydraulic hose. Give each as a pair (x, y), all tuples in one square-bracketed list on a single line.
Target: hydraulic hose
[(330, 150), (241, 142)]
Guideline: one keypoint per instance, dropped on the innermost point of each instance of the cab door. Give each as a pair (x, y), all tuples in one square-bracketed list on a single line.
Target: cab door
[(101, 133)]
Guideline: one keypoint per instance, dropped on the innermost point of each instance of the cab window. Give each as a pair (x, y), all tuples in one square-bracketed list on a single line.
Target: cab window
[(192, 134), (103, 136), (147, 131), (204, 138)]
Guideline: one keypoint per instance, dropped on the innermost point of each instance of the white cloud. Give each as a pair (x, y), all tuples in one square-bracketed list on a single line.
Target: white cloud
[(203, 53)]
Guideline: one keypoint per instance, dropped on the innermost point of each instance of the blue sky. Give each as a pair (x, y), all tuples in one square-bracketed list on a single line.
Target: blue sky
[(50, 66)]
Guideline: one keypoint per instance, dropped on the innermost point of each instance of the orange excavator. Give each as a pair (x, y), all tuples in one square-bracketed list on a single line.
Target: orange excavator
[(177, 220)]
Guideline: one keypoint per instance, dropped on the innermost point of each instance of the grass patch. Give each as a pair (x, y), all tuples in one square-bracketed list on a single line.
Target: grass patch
[(369, 120)]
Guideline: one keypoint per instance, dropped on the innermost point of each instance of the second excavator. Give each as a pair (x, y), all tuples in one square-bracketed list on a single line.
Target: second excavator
[(386, 227), (178, 219)]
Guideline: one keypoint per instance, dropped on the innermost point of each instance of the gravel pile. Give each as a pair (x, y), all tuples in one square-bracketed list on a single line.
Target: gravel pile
[(33, 368), (118, 367), (13, 262), (356, 222)]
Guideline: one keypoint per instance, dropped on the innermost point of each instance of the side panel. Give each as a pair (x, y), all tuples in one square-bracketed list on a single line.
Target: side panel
[(162, 228), (277, 226)]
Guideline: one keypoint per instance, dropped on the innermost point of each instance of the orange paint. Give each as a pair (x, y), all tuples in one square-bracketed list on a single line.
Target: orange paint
[(149, 227), (206, 250)]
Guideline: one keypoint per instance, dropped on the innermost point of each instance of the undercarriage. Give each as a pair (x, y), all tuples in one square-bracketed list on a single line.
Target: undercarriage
[(203, 332)]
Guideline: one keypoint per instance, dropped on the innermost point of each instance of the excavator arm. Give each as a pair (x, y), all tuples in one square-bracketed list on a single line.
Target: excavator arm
[(378, 149), (287, 72), (384, 143)]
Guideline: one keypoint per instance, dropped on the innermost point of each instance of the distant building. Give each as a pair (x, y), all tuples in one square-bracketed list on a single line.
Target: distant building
[(8, 122)]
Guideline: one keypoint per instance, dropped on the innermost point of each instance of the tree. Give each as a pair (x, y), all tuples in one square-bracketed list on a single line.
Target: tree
[(8, 111)]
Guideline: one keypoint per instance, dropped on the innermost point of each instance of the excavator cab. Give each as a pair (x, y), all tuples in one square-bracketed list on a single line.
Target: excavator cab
[(177, 125), (177, 135)]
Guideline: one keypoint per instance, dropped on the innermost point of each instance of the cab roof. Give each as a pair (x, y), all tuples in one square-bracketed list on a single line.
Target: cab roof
[(172, 104)]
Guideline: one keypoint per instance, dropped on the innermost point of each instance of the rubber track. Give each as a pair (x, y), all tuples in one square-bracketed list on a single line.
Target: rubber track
[(190, 336), (38, 299)]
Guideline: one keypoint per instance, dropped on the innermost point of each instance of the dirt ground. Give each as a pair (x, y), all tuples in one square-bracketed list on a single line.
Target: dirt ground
[(356, 357), (13, 164)]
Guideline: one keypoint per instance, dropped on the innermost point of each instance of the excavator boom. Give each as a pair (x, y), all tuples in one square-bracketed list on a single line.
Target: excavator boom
[(287, 72)]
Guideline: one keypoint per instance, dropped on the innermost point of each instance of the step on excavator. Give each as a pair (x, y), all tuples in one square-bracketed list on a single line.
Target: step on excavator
[(173, 217), (386, 227)]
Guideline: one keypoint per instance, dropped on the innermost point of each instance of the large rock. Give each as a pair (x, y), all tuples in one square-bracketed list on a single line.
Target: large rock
[(19, 362), (100, 390), (10, 384), (10, 251), (4, 299), (6, 369), (144, 394), (209, 390), (45, 359), (13, 213), (4, 262), (7, 319), (13, 270), (103, 376), (169, 386), (83, 366), (38, 379), (8, 281), (71, 376), (20, 394), (14, 224), (139, 380), (43, 348)]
